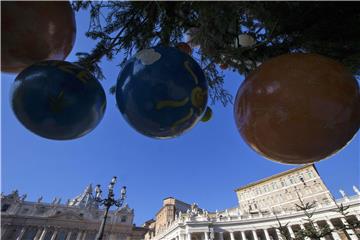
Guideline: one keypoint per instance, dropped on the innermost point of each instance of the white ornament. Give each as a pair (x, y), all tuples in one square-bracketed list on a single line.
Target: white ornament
[(148, 56), (244, 40)]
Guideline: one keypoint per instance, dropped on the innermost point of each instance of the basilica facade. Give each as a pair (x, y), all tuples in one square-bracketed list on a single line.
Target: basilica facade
[(263, 207), (77, 219)]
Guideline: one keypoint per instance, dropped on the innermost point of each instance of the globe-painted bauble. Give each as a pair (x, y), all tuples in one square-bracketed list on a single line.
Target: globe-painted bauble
[(298, 108), (34, 31), (161, 92), (207, 115), (58, 100)]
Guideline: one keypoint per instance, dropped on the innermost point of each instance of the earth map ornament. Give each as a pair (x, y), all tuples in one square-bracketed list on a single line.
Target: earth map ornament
[(298, 108), (58, 100), (35, 31), (162, 92)]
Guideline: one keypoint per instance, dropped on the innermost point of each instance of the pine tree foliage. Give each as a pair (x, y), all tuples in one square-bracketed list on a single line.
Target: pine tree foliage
[(328, 28), (350, 225), (311, 230)]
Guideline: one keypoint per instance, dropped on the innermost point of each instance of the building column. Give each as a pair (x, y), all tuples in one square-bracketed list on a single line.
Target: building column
[(43, 233), (292, 235), (267, 236), (232, 237), (206, 235), (83, 235), (38, 234), (188, 236), (317, 229), (303, 228), (333, 233), (78, 237), (54, 235), (351, 233), (278, 233), (68, 236), (243, 236), (4, 229), (254, 234), (221, 236), (21, 233)]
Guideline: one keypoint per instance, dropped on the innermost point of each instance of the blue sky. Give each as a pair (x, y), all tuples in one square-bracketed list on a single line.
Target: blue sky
[(205, 165)]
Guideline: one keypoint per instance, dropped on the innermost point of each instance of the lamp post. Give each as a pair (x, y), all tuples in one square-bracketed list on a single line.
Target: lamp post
[(108, 202)]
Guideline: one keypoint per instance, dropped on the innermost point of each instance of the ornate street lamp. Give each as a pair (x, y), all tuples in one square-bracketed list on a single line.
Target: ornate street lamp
[(108, 202)]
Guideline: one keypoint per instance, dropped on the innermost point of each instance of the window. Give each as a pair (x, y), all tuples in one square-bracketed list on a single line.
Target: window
[(5, 207), (123, 218)]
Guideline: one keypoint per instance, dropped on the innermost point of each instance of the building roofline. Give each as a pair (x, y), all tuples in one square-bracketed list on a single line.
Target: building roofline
[(276, 175)]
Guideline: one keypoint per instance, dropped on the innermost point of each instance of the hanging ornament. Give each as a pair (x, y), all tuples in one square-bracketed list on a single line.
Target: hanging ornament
[(224, 66), (298, 108), (162, 92), (207, 115), (184, 47), (35, 31), (58, 100), (244, 40)]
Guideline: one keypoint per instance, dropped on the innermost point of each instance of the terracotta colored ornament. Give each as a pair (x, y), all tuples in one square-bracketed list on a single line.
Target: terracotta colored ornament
[(207, 115), (224, 66), (58, 100), (184, 47), (298, 108), (162, 92), (34, 31)]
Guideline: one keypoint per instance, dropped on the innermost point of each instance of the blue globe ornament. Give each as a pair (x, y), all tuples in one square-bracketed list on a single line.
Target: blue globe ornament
[(162, 92), (58, 100)]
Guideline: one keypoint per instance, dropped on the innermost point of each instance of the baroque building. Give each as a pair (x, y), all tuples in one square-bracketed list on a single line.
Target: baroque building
[(78, 219), (262, 207)]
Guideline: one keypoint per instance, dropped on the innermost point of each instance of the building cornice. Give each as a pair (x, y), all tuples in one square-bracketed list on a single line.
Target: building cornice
[(275, 176)]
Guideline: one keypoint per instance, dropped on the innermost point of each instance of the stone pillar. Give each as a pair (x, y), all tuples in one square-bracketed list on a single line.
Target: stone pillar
[(351, 233), (38, 234), (83, 235), (221, 236), (206, 235), (292, 235), (3, 231), (267, 236), (68, 236), (254, 234), (278, 233), (188, 236), (334, 234), (78, 237), (21, 233), (243, 236), (303, 228), (317, 228), (43, 233), (232, 237), (53, 237)]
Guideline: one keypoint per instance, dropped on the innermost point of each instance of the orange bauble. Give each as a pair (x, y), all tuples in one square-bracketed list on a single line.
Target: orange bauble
[(35, 31), (298, 108), (184, 47), (224, 66)]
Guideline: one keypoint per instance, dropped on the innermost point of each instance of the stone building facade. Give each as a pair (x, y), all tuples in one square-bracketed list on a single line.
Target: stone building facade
[(78, 219), (278, 193), (253, 220)]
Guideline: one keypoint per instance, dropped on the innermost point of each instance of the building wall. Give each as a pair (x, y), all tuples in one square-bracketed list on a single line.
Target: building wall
[(26, 220), (282, 191), (166, 214)]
